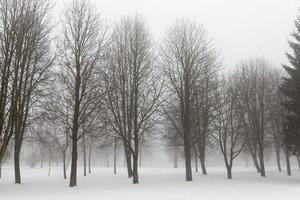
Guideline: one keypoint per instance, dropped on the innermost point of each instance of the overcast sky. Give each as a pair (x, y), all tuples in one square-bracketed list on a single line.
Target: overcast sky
[(239, 28)]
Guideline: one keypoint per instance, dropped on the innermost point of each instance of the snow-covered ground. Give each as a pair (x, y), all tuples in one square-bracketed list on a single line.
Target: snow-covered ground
[(155, 184)]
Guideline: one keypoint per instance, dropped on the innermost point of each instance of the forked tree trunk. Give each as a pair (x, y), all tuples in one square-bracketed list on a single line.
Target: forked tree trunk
[(202, 163), (201, 150), (128, 161), (255, 162), (253, 154)]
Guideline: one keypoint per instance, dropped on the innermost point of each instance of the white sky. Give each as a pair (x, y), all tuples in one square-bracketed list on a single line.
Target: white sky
[(240, 28)]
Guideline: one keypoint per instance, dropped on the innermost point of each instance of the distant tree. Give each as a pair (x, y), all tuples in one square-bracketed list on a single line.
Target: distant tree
[(277, 118), (256, 91)]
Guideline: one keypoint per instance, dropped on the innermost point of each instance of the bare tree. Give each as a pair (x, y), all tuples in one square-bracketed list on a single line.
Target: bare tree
[(27, 61), (228, 124), (277, 114), (133, 87), (256, 90), (185, 53), (82, 52)]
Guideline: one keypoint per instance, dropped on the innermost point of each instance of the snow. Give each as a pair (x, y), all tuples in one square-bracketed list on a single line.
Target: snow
[(155, 184)]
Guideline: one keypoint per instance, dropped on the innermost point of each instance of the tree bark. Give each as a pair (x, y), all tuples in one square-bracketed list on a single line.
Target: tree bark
[(298, 159), (73, 176), (42, 163), (90, 157), (115, 157), (49, 167), (288, 165), (201, 150), (135, 169), (107, 159), (229, 172), (0, 169), (175, 163), (140, 156), (188, 166), (255, 162), (17, 163), (128, 161), (253, 153), (261, 159), (64, 165), (196, 159), (84, 156), (277, 151)]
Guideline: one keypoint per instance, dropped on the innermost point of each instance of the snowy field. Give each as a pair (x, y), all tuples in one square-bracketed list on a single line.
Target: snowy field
[(156, 184)]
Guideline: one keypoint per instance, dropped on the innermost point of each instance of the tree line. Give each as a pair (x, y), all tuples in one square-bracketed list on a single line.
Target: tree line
[(100, 85)]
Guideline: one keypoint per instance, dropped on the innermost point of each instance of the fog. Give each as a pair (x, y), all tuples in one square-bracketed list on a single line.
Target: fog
[(239, 28)]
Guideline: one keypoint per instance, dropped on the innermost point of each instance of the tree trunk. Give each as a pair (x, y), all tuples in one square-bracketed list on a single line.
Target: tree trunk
[(128, 161), (64, 165), (175, 164), (261, 159), (288, 165), (196, 159), (17, 163), (73, 176), (201, 149), (202, 163), (107, 159), (115, 157), (49, 167), (277, 151), (90, 157), (84, 156), (253, 153), (140, 156), (298, 159), (188, 166), (135, 169), (255, 162), (42, 163), (0, 169), (229, 172)]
